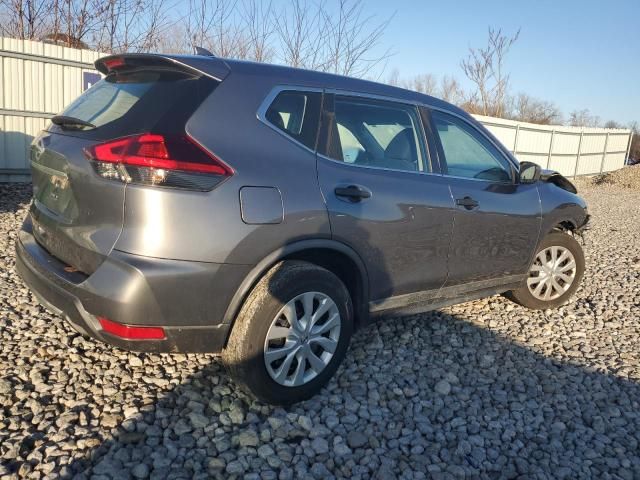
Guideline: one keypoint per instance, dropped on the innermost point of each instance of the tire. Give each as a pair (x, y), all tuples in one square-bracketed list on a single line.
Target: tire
[(524, 295), (270, 304)]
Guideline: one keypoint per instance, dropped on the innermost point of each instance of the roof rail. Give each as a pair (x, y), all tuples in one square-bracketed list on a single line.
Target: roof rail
[(203, 51)]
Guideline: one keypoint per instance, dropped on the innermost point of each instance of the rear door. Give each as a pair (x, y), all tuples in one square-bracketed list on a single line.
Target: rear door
[(497, 220), (376, 177), (77, 212)]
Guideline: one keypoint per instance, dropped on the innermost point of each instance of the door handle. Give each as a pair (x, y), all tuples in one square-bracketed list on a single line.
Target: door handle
[(467, 202), (354, 193)]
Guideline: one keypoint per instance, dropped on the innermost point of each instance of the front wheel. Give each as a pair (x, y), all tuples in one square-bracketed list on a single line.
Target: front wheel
[(291, 334), (554, 275)]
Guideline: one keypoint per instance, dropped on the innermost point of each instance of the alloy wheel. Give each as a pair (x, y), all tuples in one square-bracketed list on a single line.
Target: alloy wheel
[(552, 273), (302, 339)]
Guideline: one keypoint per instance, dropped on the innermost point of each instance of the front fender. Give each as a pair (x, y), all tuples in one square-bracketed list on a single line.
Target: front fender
[(559, 180), (561, 206)]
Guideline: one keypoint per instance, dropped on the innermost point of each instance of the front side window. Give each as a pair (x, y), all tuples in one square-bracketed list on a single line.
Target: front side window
[(467, 153), (377, 134), (296, 113)]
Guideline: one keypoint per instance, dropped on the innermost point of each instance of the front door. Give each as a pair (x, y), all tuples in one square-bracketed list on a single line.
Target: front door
[(497, 220), (383, 201)]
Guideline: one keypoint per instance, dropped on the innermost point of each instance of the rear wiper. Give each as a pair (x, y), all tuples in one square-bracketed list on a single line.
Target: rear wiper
[(71, 122)]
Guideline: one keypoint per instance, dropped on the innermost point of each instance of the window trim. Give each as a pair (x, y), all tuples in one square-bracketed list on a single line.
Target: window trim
[(261, 114), (431, 138), (442, 157)]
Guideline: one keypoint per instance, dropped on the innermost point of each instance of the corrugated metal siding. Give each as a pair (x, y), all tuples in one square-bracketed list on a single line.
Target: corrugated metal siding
[(37, 80), (569, 150)]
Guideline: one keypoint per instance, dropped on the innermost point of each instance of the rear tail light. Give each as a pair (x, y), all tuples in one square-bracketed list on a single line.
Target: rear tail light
[(163, 160), (129, 332)]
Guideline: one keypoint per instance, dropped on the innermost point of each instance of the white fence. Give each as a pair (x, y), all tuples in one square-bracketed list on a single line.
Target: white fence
[(38, 80), (571, 151)]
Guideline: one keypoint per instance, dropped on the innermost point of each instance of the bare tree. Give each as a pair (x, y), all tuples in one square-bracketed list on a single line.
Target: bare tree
[(528, 109), (342, 41), (215, 25), (501, 45), (174, 39), (352, 36), (300, 33), (448, 88), (486, 69), (477, 69), (394, 78), (79, 19), (340, 37), (451, 91), (583, 118), (153, 26), (258, 24), (471, 104), (424, 83), (24, 19), (131, 25)]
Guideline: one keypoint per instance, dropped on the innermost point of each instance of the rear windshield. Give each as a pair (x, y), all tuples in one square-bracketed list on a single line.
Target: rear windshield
[(136, 102)]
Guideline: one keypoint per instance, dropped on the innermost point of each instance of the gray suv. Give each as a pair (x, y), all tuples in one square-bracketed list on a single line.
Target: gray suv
[(196, 204)]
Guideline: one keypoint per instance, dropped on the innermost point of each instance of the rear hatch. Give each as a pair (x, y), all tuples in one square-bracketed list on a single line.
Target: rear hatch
[(77, 212)]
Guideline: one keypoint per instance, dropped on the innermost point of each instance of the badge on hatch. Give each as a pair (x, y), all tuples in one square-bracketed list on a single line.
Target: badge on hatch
[(58, 183)]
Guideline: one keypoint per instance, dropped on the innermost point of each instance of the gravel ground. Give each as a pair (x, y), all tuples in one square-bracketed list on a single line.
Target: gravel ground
[(481, 390)]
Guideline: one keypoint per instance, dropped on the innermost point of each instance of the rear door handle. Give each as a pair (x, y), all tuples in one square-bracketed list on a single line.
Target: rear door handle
[(355, 193), (467, 202)]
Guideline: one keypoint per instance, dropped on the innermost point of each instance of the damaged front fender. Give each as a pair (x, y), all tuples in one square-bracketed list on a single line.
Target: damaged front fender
[(551, 176)]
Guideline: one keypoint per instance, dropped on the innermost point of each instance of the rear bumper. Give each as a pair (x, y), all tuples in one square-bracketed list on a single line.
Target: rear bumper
[(186, 299)]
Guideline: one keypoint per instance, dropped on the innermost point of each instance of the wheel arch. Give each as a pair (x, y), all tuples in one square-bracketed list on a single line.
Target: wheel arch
[(567, 217), (335, 256)]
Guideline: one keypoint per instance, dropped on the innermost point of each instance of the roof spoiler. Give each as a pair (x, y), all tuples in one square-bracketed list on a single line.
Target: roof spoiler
[(213, 67)]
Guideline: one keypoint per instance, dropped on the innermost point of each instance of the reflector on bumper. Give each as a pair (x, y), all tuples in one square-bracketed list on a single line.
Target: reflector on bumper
[(131, 333)]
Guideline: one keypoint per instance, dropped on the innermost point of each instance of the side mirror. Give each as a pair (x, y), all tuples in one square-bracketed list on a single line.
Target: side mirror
[(529, 172)]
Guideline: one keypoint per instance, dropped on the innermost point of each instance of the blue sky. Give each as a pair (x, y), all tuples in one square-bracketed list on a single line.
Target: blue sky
[(578, 54)]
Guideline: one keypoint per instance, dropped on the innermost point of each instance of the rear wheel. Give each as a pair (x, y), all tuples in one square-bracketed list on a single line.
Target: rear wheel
[(291, 334), (554, 275)]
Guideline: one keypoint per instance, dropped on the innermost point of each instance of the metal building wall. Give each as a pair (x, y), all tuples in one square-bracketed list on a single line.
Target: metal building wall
[(37, 80), (571, 151)]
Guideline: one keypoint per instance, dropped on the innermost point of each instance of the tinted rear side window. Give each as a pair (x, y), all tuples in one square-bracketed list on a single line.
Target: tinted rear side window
[(297, 114), (136, 102)]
